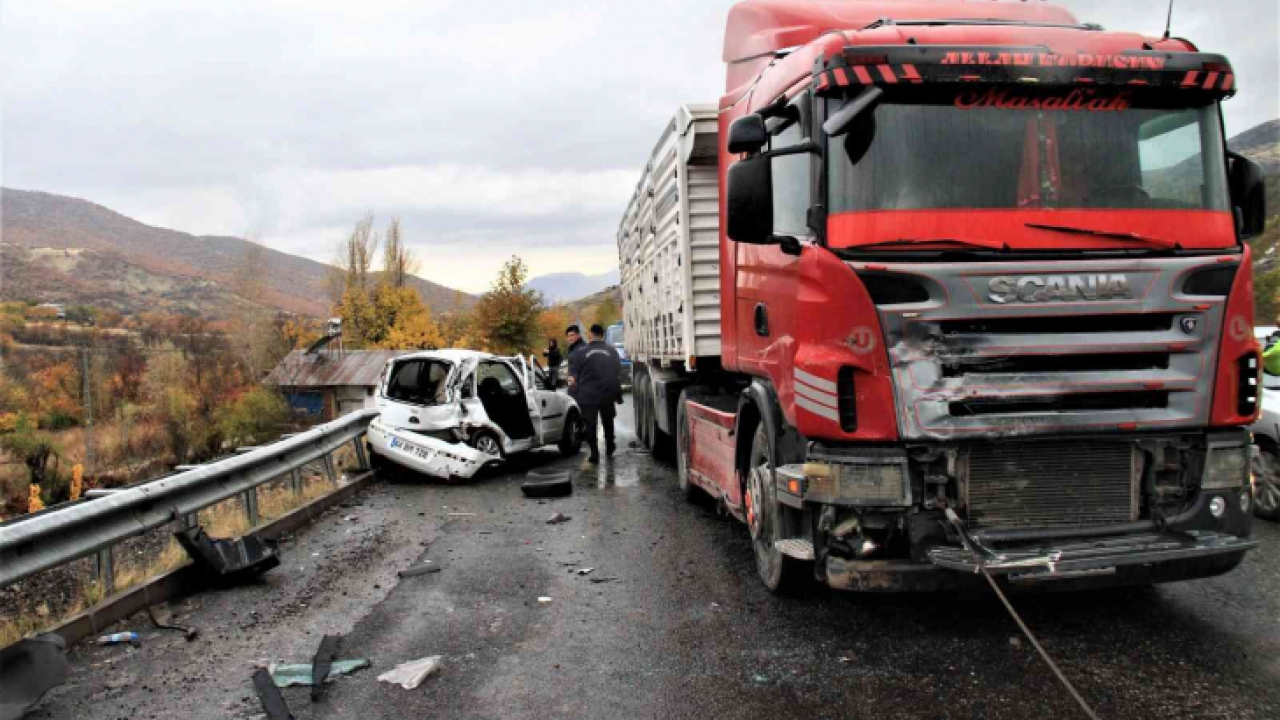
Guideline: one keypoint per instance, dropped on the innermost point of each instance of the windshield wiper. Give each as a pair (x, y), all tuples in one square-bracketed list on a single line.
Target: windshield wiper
[(985, 244), (1161, 242)]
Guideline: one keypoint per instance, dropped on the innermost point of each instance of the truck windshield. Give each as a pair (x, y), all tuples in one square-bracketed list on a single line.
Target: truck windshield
[(1016, 148), (613, 334)]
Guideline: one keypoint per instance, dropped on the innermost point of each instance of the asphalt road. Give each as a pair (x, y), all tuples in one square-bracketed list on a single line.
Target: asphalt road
[(671, 623)]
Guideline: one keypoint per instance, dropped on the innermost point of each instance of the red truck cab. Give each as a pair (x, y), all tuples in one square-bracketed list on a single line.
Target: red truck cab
[(979, 257)]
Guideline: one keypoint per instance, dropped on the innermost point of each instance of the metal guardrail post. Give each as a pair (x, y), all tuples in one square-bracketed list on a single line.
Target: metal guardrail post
[(105, 569), (329, 469), (361, 458), (296, 481), (250, 499)]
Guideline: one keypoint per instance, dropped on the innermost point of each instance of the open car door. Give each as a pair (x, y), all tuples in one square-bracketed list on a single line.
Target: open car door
[(524, 368)]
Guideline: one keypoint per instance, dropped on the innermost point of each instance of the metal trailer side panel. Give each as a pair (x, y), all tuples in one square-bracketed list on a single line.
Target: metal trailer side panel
[(668, 246)]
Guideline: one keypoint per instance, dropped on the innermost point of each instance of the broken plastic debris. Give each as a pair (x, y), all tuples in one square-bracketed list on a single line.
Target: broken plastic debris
[(121, 637), (557, 519), (544, 599), (461, 514), (417, 570), (411, 674), (289, 674), (585, 571)]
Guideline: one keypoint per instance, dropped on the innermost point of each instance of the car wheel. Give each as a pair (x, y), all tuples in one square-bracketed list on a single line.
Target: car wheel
[(1266, 484), (688, 488), (571, 439), (766, 520), (487, 442)]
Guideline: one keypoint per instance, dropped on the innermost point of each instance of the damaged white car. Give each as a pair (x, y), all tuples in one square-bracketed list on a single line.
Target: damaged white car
[(450, 413)]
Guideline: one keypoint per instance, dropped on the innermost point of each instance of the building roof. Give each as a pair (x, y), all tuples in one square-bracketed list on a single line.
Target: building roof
[(331, 369)]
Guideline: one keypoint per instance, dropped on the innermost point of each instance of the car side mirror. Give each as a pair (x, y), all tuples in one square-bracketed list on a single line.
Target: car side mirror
[(747, 134), (750, 201), (1248, 195)]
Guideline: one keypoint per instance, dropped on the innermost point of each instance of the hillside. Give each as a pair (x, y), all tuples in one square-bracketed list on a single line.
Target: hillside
[(62, 249), (563, 287)]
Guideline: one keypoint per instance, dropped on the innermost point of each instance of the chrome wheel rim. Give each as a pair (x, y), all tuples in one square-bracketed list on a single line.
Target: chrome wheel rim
[(1266, 482), (487, 445)]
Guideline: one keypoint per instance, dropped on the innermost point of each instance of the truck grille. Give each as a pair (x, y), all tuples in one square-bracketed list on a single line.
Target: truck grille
[(1050, 485)]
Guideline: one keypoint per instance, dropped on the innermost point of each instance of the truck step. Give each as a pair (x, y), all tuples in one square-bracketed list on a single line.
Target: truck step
[(795, 548)]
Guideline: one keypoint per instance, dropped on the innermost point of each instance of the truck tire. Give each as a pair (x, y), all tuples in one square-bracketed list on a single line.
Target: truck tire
[(1266, 483), (640, 397), (688, 488), (766, 520)]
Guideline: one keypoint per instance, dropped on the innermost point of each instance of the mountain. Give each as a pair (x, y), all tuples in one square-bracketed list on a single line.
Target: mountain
[(563, 287), (62, 249), (1261, 144)]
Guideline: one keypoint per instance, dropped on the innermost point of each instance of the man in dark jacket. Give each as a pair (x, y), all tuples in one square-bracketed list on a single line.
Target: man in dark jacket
[(576, 343), (595, 375)]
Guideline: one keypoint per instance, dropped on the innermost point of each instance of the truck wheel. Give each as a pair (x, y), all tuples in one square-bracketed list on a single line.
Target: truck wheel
[(687, 486), (1266, 484), (571, 439), (781, 574)]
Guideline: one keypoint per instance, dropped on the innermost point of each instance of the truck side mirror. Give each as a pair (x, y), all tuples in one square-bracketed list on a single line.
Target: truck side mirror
[(1248, 195), (747, 134), (750, 201)]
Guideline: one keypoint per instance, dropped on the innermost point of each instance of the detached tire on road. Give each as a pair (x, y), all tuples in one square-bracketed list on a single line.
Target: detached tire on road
[(547, 483)]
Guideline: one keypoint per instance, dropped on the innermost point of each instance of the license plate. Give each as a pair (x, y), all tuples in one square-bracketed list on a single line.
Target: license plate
[(407, 447)]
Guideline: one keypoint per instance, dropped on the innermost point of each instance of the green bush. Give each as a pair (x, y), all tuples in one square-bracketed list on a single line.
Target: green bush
[(256, 416)]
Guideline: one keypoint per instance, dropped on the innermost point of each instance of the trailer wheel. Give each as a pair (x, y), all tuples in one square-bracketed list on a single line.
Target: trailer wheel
[(766, 520), (687, 486), (1266, 484)]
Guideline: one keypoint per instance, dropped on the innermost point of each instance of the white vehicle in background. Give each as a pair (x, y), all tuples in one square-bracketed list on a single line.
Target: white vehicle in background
[(1266, 442), (450, 413)]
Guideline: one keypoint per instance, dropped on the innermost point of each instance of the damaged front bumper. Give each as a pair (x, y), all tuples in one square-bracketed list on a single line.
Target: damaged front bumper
[(425, 454)]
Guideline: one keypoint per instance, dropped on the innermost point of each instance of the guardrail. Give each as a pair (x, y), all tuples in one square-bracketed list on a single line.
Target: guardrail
[(59, 535)]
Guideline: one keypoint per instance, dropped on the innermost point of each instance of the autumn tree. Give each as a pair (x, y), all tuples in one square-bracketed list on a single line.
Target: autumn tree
[(398, 262), (607, 313), (351, 284), (507, 315), (34, 449), (404, 321)]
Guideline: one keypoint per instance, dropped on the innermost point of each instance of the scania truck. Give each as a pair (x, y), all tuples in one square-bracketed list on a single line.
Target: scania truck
[(941, 286)]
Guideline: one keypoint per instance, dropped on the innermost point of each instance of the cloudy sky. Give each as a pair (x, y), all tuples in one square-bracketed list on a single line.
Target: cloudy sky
[(490, 128)]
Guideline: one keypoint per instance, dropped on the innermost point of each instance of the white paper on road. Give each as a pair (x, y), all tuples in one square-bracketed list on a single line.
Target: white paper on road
[(411, 674)]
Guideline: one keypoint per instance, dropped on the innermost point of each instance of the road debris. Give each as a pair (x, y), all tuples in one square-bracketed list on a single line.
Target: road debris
[(30, 668), (320, 665), (1015, 641), (544, 599), (273, 703), (417, 570), (121, 637), (160, 617), (599, 580), (410, 675), (558, 518), (289, 674), (461, 514), (585, 571), (229, 559)]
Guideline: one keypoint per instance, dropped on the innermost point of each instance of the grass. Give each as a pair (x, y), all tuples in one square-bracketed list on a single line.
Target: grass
[(227, 519)]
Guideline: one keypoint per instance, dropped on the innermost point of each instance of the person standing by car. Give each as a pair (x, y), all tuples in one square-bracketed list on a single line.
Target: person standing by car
[(574, 336), (552, 354), (595, 374)]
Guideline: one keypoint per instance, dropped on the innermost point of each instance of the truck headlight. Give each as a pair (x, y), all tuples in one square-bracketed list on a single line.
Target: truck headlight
[(871, 481), (1226, 467)]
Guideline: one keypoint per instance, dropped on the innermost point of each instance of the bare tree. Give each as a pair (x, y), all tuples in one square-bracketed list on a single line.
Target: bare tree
[(398, 262)]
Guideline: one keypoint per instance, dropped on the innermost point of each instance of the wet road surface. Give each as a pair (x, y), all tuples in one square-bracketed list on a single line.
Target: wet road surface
[(671, 623)]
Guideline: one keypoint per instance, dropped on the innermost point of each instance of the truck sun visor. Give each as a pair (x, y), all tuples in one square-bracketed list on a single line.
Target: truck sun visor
[(896, 65)]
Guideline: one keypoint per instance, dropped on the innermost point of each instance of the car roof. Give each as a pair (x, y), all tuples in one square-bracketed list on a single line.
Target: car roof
[(453, 355)]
